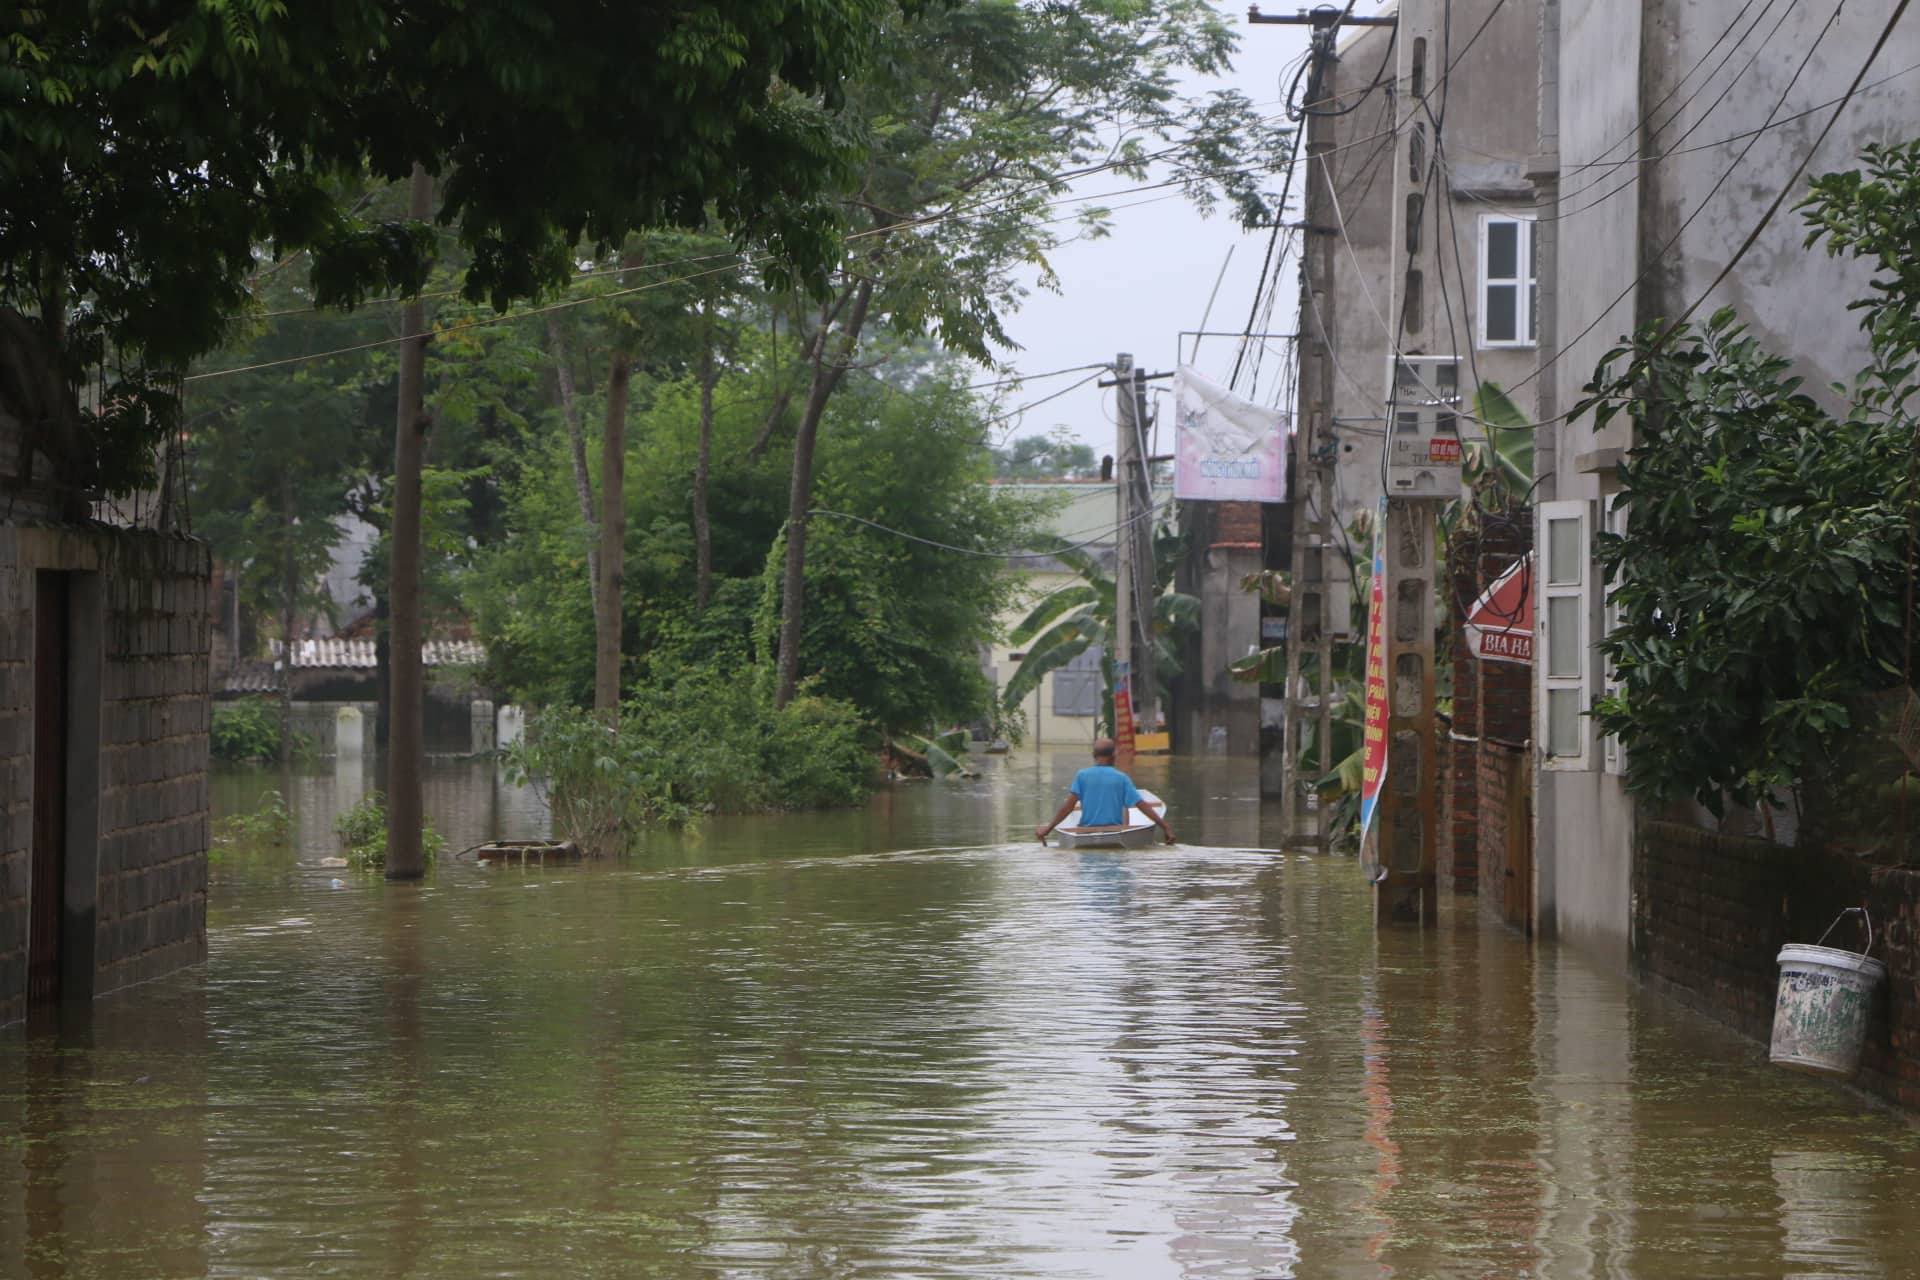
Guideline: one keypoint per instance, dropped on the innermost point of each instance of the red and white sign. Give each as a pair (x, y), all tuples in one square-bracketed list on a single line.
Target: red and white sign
[(1373, 741), (1499, 626), (1444, 450)]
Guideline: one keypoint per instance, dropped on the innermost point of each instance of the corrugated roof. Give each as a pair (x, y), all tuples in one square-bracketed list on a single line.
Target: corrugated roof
[(358, 653)]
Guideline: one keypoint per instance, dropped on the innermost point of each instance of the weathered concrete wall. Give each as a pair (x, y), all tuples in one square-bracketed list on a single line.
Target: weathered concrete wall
[(137, 780), (1705, 198), (1711, 913), (1224, 548), (1583, 819)]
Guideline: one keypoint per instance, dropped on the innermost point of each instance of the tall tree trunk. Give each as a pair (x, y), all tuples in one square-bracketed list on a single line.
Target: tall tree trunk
[(576, 452), (826, 376), (613, 537), (406, 749), (289, 584), (702, 469)]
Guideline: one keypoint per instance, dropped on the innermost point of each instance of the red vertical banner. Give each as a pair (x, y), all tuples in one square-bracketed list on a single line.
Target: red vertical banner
[(1123, 709), (1373, 758)]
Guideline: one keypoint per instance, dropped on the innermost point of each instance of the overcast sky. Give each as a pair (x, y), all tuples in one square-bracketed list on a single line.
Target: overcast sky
[(1138, 287)]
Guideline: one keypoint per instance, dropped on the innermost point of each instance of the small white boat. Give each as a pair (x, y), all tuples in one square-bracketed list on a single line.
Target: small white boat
[(1138, 831)]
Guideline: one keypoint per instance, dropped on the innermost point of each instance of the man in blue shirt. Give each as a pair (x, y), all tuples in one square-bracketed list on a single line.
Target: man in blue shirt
[(1103, 795)]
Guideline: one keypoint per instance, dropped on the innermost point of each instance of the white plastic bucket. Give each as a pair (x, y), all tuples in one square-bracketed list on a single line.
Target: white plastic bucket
[(1820, 1015)]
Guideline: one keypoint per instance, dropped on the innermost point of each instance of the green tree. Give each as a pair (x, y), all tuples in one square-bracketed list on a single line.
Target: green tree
[(1050, 457), (974, 124), (900, 622), (148, 148)]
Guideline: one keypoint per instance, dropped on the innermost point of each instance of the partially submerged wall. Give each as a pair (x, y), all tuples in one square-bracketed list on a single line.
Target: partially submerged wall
[(1712, 911), (134, 892)]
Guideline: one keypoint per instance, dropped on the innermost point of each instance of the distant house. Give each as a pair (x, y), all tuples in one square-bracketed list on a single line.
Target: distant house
[(1065, 707)]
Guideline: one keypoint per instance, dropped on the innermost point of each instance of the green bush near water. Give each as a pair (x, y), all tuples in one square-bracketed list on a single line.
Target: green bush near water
[(705, 742), (363, 832), (247, 731), (270, 823), (244, 729)]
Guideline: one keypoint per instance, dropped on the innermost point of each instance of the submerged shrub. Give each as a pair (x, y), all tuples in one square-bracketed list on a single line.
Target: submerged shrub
[(247, 731), (244, 729), (363, 833), (269, 824), (699, 743)]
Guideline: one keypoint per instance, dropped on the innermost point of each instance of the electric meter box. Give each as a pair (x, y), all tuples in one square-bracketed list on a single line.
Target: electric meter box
[(1423, 437)]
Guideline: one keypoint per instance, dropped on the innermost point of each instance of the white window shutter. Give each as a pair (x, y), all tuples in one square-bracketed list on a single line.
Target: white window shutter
[(1563, 650)]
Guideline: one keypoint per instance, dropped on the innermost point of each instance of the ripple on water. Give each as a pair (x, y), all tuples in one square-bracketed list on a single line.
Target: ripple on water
[(931, 1054)]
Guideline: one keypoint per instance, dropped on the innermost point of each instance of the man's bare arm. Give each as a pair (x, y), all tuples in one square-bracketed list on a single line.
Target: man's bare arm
[(1152, 810), (1067, 806)]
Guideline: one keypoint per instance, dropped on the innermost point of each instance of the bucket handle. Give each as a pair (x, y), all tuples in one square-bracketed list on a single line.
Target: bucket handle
[(1865, 919)]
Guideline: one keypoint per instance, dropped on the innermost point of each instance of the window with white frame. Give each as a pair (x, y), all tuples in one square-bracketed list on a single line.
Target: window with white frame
[(1508, 286), (1613, 756), (1563, 650)]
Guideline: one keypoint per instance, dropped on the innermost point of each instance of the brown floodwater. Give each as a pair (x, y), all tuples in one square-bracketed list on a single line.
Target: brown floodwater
[(907, 1042)]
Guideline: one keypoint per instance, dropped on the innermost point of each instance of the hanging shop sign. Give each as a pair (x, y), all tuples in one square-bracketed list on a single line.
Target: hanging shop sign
[(1226, 449), (1499, 625)]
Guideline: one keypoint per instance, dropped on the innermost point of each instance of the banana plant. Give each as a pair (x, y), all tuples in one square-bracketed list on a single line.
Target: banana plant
[(1500, 467), (1072, 618)]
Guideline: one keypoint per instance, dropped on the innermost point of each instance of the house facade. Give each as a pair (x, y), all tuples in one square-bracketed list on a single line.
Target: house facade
[(1513, 187), (1667, 129)]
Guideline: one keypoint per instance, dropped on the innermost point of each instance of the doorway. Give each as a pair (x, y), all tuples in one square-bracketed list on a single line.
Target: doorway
[(46, 885)]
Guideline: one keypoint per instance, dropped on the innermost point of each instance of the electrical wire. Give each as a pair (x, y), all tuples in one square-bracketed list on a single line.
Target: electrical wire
[(734, 263), (1105, 536), (1706, 201)]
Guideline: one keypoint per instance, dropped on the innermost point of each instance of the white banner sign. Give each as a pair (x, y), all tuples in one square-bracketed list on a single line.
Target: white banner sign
[(1226, 449)]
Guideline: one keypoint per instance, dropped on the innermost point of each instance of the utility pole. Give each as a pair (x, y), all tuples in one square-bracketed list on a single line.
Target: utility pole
[(1132, 465), (1125, 579), (1134, 588), (1422, 472), (1316, 565)]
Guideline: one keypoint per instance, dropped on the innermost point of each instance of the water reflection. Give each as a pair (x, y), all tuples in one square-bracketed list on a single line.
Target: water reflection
[(906, 1041)]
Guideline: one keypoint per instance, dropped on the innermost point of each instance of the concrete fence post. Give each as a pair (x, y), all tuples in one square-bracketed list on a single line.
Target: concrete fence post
[(512, 725)]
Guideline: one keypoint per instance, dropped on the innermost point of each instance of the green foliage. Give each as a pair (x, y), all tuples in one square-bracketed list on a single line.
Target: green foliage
[(1500, 467), (552, 124), (1070, 619), (244, 730), (270, 823), (1760, 588), (706, 741), (363, 834), (1056, 456), (894, 627)]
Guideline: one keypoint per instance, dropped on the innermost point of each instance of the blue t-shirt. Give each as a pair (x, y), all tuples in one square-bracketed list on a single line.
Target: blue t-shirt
[(1105, 795)]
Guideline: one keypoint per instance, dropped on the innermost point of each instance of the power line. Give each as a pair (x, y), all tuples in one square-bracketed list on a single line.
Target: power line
[(1707, 200), (1104, 536), (1886, 33)]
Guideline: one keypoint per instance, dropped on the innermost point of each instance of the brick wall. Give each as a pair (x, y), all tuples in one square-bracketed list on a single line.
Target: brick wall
[(1492, 709), (1712, 911), (1506, 785), (147, 613)]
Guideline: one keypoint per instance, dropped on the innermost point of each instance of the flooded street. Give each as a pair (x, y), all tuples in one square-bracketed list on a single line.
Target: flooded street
[(906, 1042)]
